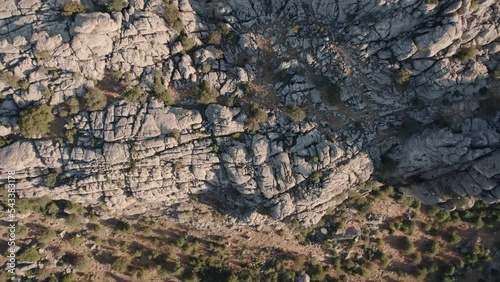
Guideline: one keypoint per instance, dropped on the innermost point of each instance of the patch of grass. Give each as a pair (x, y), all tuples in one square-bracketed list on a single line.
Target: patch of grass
[(176, 134), (206, 68), (431, 2), (36, 121), (95, 100), (179, 165), (72, 8)]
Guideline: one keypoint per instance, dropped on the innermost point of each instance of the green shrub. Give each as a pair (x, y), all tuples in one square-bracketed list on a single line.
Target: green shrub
[(82, 263), (74, 106), (72, 8), (406, 245), (134, 94), (179, 165), (4, 141), (123, 227), (176, 134), (402, 78), (467, 54), (120, 264), (117, 5), (296, 114), (431, 2), (36, 121), (68, 277), (206, 94), (13, 81), (432, 248), (48, 235), (187, 43), (47, 93), (214, 38), (256, 118), (172, 16), (51, 209), (30, 254), (43, 55), (206, 68), (51, 179), (160, 91), (95, 100)]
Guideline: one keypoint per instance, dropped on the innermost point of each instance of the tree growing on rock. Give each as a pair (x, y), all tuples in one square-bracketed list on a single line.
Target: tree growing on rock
[(36, 121), (95, 100)]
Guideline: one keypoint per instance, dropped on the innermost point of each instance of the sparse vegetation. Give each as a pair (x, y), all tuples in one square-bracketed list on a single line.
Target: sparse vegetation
[(36, 121), (134, 94)]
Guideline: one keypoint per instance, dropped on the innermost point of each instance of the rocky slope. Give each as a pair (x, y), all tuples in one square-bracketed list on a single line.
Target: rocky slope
[(400, 89)]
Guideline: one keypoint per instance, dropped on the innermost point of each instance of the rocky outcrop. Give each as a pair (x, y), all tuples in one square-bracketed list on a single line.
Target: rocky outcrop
[(128, 154)]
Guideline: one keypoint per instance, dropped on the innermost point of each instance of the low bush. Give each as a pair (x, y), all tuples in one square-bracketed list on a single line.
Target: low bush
[(120, 264), (134, 94), (36, 121), (13, 81), (214, 38), (29, 254)]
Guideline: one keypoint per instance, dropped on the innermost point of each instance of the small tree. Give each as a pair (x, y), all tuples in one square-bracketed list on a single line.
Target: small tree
[(406, 245), (95, 100), (187, 43), (467, 54), (214, 38), (36, 121)]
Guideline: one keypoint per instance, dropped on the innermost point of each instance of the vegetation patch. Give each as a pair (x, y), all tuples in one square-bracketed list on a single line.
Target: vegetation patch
[(206, 94), (256, 117), (296, 113), (468, 53)]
